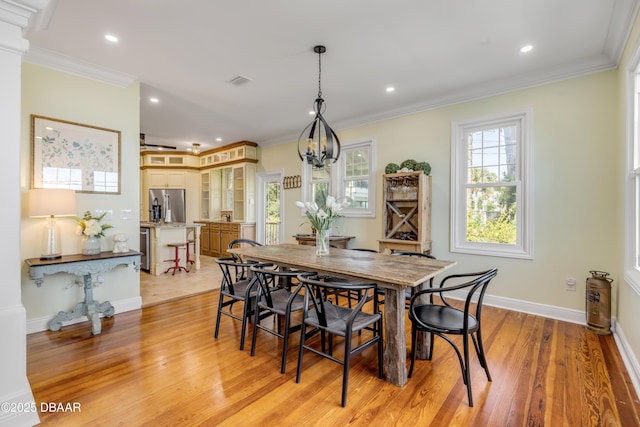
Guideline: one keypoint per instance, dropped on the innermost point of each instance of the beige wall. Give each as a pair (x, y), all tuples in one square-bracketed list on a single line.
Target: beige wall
[(577, 202), (63, 96)]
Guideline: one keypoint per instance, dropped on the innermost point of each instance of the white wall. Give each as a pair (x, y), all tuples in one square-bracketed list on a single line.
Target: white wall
[(54, 94)]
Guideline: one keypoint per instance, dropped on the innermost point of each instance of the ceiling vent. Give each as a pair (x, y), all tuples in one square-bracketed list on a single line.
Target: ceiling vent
[(239, 80)]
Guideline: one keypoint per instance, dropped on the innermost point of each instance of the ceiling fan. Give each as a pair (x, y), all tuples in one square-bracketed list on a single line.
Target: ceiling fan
[(145, 145)]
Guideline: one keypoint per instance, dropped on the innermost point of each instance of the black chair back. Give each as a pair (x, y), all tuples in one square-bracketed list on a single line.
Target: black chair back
[(327, 317), (446, 319)]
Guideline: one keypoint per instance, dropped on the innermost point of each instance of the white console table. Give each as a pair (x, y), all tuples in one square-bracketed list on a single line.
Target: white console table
[(84, 266)]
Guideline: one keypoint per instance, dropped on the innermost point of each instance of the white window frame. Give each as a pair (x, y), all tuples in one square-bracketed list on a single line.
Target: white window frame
[(632, 183), (459, 167), (261, 179), (337, 179)]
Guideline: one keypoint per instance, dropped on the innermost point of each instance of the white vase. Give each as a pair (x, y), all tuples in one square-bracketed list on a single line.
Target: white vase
[(322, 242), (91, 245)]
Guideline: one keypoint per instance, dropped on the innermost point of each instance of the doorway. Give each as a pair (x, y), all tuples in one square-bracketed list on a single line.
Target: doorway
[(269, 207)]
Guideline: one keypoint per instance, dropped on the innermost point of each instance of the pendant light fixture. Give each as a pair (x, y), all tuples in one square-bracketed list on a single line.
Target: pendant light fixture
[(196, 148), (321, 142)]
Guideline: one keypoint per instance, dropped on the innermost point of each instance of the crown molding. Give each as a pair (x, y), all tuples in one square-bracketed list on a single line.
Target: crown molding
[(622, 17), (67, 64), (17, 14), (475, 92)]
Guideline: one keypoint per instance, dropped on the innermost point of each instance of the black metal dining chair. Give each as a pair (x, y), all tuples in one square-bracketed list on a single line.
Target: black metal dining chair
[(236, 288), (444, 319), (239, 243), (326, 317), (278, 297)]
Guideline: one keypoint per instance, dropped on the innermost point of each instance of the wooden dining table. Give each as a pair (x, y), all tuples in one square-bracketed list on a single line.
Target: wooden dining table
[(393, 273)]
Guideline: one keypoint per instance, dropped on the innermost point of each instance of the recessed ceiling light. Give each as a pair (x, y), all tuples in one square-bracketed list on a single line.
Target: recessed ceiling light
[(390, 89), (311, 113), (155, 100), (219, 139), (111, 38), (527, 48)]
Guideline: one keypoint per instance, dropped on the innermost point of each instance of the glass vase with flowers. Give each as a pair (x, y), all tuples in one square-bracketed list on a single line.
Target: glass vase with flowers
[(91, 230), (322, 216)]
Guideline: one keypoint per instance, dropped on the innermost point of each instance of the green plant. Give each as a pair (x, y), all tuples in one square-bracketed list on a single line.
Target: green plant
[(424, 167), (391, 168), (485, 230), (409, 164)]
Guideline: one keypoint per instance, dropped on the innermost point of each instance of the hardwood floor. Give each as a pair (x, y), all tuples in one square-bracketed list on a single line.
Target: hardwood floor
[(165, 287), (161, 366)]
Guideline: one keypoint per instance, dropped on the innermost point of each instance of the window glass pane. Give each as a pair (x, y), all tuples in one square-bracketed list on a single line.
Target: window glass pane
[(319, 192), (321, 174), (358, 193), (491, 215), (357, 163)]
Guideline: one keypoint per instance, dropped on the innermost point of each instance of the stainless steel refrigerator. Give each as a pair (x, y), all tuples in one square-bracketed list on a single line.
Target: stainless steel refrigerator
[(173, 207)]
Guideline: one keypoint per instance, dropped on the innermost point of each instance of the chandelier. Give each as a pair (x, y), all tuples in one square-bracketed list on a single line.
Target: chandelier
[(322, 143)]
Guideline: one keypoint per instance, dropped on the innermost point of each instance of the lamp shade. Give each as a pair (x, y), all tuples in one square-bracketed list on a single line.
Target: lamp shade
[(47, 202)]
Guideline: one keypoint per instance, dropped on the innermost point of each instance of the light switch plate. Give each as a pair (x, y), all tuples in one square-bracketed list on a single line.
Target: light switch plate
[(125, 214)]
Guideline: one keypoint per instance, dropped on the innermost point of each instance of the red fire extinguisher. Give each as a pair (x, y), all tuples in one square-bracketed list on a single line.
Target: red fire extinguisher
[(599, 303)]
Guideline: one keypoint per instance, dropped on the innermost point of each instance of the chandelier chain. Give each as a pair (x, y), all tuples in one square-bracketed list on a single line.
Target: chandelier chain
[(319, 74)]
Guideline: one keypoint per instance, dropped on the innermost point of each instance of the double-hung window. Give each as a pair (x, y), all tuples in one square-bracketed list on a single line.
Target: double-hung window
[(490, 186), (632, 190), (352, 176)]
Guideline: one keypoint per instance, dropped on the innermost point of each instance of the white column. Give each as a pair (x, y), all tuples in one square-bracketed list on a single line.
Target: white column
[(14, 385)]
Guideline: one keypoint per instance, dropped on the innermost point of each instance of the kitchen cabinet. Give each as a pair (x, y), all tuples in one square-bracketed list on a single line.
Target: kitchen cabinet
[(205, 189), (215, 236), (406, 218), (166, 179), (233, 153), (205, 249), (220, 234), (231, 188), (153, 159)]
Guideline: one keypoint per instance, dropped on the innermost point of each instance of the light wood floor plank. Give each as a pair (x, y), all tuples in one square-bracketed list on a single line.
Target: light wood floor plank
[(162, 366)]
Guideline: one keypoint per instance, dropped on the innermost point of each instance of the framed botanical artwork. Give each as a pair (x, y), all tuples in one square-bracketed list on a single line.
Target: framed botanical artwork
[(75, 156)]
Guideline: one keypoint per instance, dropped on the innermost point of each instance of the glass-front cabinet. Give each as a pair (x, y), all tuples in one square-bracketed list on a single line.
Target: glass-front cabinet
[(204, 195), (230, 189)]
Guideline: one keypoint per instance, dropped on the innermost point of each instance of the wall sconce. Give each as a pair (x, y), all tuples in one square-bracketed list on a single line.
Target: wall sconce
[(49, 203)]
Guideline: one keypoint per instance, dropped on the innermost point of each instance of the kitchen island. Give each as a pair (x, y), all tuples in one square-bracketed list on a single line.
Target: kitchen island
[(161, 256)]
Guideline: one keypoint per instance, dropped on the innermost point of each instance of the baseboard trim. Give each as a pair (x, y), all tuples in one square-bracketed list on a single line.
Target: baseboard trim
[(628, 358), (23, 409), (42, 323), (573, 316), (544, 310)]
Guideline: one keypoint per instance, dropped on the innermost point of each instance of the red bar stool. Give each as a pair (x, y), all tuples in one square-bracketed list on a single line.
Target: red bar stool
[(176, 266)]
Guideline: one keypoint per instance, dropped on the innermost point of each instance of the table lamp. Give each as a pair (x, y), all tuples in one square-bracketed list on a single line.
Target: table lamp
[(49, 203)]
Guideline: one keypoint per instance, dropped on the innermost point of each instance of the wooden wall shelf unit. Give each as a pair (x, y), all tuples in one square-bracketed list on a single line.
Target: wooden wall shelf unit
[(406, 219)]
